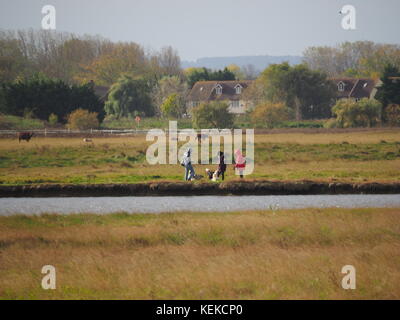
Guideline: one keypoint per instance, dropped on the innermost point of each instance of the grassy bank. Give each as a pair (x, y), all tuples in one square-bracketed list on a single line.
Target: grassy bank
[(280, 254), (341, 156)]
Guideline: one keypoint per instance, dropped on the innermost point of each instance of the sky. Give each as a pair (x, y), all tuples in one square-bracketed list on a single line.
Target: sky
[(214, 28)]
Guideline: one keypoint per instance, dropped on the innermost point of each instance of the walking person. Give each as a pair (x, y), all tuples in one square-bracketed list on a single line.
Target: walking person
[(221, 166), (240, 163), (187, 163)]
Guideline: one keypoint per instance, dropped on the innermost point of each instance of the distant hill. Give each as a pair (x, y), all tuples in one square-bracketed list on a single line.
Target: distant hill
[(259, 62)]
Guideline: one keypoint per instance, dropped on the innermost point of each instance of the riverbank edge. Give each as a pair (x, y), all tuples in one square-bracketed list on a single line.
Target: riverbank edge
[(196, 189)]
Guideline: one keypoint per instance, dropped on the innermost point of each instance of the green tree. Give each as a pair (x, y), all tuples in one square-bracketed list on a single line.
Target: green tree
[(237, 71), (173, 106), (392, 114), (129, 96), (309, 93), (389, 91), (196, 74), (212, 115), (364, 113), (203, 74), (164, 88), (41, 96)]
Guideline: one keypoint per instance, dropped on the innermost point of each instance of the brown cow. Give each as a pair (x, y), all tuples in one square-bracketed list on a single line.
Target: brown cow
[(25, 136)]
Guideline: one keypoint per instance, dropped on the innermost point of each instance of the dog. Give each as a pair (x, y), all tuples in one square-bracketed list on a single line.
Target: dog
[(212, 175)]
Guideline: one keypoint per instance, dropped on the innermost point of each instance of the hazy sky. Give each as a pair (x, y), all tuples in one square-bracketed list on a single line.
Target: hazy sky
[(210, 28)]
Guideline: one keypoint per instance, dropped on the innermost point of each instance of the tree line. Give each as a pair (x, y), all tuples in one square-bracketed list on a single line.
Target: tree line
[(353, 59), (46, 73)]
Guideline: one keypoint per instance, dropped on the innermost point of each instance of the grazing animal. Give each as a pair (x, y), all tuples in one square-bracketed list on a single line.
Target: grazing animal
[(25, 136), (87, 140)]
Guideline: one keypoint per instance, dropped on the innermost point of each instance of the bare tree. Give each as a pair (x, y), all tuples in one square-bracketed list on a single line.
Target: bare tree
[(169, 61), (250, 72)]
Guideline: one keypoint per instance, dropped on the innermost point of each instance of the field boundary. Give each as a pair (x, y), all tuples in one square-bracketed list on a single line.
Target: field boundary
[(130, 132), (191, 189)]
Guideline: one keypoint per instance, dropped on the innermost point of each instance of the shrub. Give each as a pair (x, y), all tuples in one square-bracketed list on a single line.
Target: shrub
[(213, 115), (82, 120), (173, 106), (364, 113), (392, 114), (302, 124), (53, 119), (8, 122), (270, 114), (331, 123)]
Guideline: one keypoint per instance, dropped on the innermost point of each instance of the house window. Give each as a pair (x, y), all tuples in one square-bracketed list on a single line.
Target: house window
[(341, 86), (235, 103), (238, 89), (218, 89)]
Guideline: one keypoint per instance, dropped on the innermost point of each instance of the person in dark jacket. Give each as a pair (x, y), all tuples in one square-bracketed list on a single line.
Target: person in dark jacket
[(220, 172), (221, 166)]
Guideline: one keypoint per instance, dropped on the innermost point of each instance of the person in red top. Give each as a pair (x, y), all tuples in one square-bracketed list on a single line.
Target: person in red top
[(240, 162)]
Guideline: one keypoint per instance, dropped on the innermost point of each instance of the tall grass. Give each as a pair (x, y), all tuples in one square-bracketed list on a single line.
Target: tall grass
[(277, 254), (357, 156)]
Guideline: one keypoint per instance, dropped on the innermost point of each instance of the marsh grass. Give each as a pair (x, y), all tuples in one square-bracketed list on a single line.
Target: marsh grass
[(354, 156), (273, 254)]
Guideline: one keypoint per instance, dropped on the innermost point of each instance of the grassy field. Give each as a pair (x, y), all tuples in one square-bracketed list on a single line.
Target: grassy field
[(341, 156), (281, 254)]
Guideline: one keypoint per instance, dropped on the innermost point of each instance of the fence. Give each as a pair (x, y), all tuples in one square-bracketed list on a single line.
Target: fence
[(67, 132)]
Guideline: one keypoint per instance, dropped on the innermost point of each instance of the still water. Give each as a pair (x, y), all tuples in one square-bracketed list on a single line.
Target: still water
[(102, 205)]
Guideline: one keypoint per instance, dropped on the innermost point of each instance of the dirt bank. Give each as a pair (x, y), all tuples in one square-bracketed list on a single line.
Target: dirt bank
[(182, 189)]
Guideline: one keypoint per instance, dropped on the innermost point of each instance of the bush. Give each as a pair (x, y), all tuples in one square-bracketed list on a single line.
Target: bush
[(302, 124), (53, 119), (8, 122), (213, 115), (392, 114), (173, 106), (82, 120), (270, 114), (364, 113), (331, 123)]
